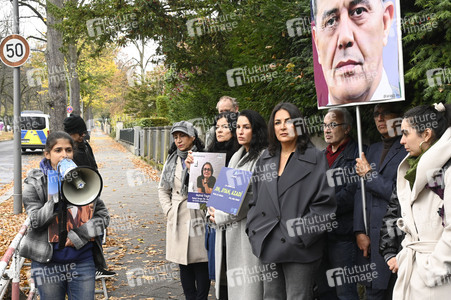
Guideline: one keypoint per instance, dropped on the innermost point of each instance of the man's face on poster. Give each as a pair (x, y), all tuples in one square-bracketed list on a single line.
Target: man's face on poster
[(350, 36)]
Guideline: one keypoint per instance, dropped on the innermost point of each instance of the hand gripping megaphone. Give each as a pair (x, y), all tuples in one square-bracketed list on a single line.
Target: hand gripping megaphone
[(80, 185)]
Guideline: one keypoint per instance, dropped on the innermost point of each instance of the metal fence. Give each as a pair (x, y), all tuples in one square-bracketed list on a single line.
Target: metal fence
[(152, 143), (127, 135)]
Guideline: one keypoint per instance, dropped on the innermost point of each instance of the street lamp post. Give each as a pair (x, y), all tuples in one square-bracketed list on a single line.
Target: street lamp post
[(17, 130)]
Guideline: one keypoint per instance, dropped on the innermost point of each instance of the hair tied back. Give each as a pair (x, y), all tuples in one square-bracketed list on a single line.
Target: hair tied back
[(439, 107)]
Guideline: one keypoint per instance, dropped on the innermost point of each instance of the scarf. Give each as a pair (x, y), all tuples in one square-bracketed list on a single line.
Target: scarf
[(60, 207), (412, 171), (168, 174), (45, 166), (413, 164), (227, 147)]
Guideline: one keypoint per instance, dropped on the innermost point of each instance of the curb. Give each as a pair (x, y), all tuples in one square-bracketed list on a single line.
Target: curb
[(6, 195)]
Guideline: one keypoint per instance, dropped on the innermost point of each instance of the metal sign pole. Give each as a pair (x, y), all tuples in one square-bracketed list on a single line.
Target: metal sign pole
[(17, 129), (362, 181)]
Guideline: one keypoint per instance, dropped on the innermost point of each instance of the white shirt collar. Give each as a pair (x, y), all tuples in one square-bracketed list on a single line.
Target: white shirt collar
[(384, 90)]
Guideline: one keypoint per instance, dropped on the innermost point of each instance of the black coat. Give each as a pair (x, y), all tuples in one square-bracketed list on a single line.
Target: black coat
[(379, 187), (279, 203), (83, 155), (391, 235)]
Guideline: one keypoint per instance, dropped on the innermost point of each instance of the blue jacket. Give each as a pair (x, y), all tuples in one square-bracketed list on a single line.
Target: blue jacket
[(378, 187)]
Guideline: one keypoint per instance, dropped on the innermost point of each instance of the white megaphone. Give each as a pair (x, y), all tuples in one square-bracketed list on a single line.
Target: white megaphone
[(80, 185)]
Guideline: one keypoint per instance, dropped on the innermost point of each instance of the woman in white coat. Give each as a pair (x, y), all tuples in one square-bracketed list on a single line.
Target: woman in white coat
[(424, 191), (235, 262), (185, 227)]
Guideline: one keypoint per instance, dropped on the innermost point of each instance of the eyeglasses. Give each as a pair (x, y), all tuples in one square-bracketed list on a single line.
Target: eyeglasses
[(207, 169), (332, 125), (382, 113)]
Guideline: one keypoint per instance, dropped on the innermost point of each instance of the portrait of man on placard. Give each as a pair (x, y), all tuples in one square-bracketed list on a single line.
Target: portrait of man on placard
[(357, 52)]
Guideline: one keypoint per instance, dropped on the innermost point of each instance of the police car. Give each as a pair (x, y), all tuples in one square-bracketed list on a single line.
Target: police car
[(35, 128)]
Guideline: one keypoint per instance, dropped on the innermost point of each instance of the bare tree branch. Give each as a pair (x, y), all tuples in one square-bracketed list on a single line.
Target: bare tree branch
[(38, 2), (37, 38), (38, 14), (38, 50)]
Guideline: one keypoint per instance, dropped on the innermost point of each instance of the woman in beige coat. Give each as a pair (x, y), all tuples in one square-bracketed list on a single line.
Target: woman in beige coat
[(185, 227), (424, 191)]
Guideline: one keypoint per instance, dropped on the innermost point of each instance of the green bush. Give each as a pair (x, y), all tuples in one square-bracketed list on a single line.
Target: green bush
[(144, 122), (160, 121), (148, 122), (162, 105), (130, 124)]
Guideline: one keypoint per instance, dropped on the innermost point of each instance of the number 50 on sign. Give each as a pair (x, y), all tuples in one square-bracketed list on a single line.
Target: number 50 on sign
[(14, 50)]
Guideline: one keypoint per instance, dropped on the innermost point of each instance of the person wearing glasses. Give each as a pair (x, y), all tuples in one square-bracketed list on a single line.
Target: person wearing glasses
[(341, 152), (379, 168), (206, 181)]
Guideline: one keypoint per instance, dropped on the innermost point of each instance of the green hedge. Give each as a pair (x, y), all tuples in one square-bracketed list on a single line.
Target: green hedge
[(148, 122)]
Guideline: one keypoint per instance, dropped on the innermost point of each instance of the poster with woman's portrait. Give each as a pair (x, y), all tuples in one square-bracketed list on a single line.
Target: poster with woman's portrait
[(357, 52), (202, 178)]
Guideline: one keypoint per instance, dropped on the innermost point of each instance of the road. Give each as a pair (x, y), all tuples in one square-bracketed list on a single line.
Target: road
[(7, 161)]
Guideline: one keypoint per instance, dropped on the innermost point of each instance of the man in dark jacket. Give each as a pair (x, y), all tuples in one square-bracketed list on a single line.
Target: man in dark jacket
[(379, 168), (83, 156), (341, 154)]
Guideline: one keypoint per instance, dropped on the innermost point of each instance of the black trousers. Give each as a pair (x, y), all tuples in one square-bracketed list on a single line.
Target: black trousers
[(195, 281)]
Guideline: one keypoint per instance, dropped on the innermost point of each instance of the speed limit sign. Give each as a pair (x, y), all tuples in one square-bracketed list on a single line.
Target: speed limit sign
[(14, 50)]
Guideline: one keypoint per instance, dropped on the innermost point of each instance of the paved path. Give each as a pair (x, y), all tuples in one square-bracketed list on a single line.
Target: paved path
[(7, 161), (136, 245), (30, 159)]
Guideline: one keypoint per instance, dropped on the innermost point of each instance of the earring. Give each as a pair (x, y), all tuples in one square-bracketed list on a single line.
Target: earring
[(421, 148)]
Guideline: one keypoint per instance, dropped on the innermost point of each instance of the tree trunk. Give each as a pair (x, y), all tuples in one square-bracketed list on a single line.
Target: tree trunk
[(55, 63), (72, 58)]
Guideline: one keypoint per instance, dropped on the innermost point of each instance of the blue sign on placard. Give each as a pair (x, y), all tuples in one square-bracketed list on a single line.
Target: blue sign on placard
[(230, 189)]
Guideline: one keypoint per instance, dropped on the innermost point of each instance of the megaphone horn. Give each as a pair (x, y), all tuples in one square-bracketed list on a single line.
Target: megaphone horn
[(80, 185)]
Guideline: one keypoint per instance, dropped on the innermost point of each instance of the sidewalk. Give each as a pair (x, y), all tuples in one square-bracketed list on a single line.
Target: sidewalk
[(135, 247)]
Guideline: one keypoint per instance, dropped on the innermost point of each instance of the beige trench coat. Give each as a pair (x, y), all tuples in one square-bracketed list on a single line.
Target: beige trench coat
[(185, 229), (425, 260)]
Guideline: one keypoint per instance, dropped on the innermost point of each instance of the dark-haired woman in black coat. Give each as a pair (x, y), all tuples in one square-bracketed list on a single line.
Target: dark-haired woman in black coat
[(290, 212)]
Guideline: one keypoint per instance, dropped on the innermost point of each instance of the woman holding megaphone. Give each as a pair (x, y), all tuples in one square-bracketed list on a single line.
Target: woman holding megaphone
[(66, 267)]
